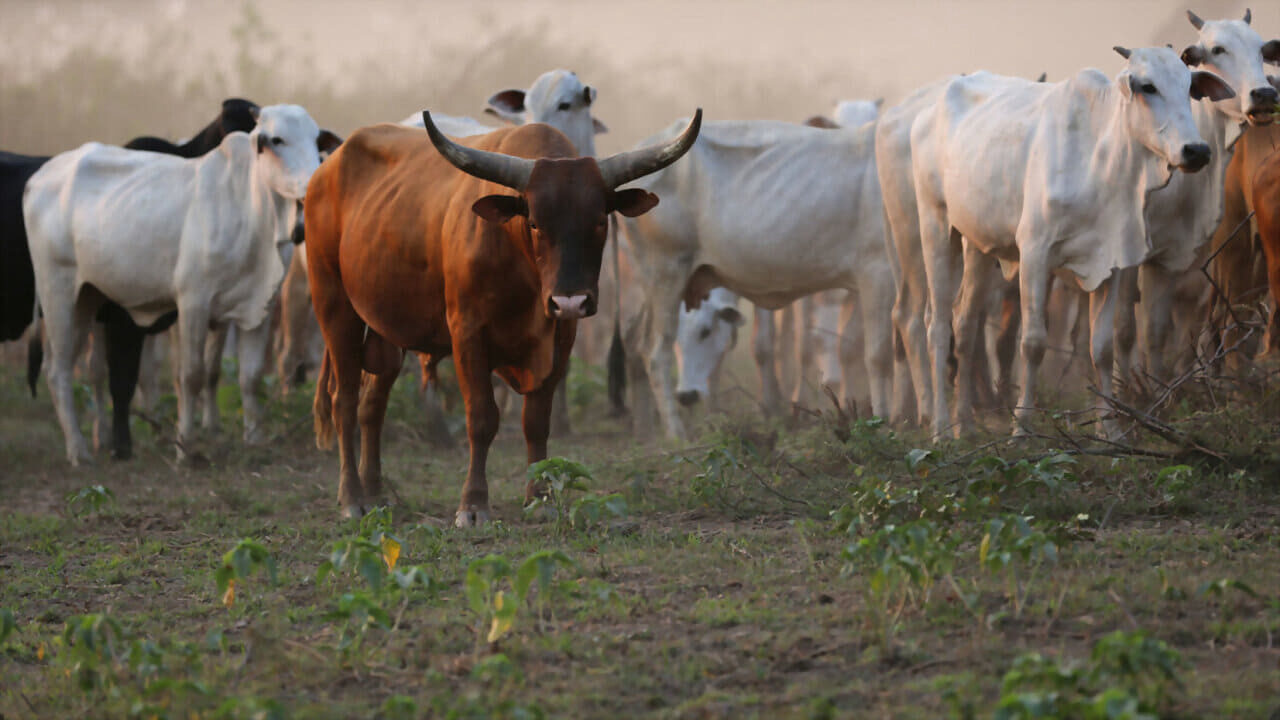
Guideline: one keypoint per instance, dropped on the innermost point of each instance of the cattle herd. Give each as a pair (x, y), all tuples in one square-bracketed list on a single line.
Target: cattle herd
[(978, 200)]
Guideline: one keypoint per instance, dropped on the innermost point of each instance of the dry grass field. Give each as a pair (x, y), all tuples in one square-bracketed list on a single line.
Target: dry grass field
[(805, 567)]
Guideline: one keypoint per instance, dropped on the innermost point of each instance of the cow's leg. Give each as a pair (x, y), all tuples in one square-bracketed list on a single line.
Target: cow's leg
[(96, 364), (1232, 267), (437, 425), (251, 351), (852, 352), (1126, 327), (67, 322), (1102, 314), (215, 342), (560, 409), (1157, 287), (763, 342), (473, 368), (372, 413), (193, 324), (875, 300), (942, 252), (149, 363), (803, 346), (1033, 288), (975, 291), (664, 306), (124, 342), (910, 310), (786, 352), (1007, 345), (536, 416)]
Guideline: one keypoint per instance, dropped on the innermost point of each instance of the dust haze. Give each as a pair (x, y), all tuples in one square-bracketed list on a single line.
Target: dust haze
[(73, 71)]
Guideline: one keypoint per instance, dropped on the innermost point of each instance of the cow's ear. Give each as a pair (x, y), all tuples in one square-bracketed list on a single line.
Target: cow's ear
[(1193, 55), (730, 314), (599, 127), (327, 142), (500, 208), (1271, 52), (1208, 85), (632, 202), (508, 105), (1124, 83)]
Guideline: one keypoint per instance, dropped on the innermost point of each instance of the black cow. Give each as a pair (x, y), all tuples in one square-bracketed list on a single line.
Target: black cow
[(124, 337)]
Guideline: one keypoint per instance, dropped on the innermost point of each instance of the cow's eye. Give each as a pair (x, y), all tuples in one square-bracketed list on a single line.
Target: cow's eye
[(533, 225), (277, 140), (1218, 50), (1148, 88), (564, 106), (704, 334)]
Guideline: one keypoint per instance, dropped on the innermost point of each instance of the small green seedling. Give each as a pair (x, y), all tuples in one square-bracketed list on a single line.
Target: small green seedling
[(90, 499), (240, 562)]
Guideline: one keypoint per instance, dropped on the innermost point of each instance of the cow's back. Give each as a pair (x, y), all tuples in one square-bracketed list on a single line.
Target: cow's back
[(762, 200)]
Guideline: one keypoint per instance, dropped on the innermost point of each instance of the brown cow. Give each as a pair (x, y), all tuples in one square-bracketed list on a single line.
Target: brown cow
[(1266, 208), (406, 253)]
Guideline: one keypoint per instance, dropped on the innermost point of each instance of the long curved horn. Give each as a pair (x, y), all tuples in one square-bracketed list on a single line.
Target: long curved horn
[(496, 167), (1124, 52), (1196, 22), (627, 166), (1248, 16)]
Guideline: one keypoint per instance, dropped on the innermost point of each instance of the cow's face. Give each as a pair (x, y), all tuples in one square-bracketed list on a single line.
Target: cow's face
[(1232, 50), (703, 337), (1157, 89), (557, 98), (566, 207), (286, 140)]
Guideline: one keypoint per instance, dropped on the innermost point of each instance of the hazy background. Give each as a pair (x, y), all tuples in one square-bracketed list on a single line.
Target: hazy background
[(77, 70)]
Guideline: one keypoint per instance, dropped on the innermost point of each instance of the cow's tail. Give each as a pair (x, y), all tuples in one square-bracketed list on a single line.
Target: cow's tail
[(616, 363), (35, 350), (323, 406)]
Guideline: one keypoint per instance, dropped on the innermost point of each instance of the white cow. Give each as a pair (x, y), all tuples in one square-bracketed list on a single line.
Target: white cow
[(705, 336), (1183, 216), (769, 210), (776, 335), (157, 233), (1046, 177)]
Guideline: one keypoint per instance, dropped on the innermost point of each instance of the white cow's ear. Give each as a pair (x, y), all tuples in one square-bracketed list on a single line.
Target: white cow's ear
[(1124, 83), (508, 105), (1208, 85)]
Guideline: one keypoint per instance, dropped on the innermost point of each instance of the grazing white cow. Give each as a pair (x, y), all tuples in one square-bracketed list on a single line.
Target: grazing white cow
[(773, 212), (155, 233), (1046, 177), (1183, 217), (705, 335)]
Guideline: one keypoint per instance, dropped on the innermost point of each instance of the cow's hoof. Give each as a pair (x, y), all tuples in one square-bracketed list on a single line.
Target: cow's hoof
[(471, 518), (81, 458), (352, 512)]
